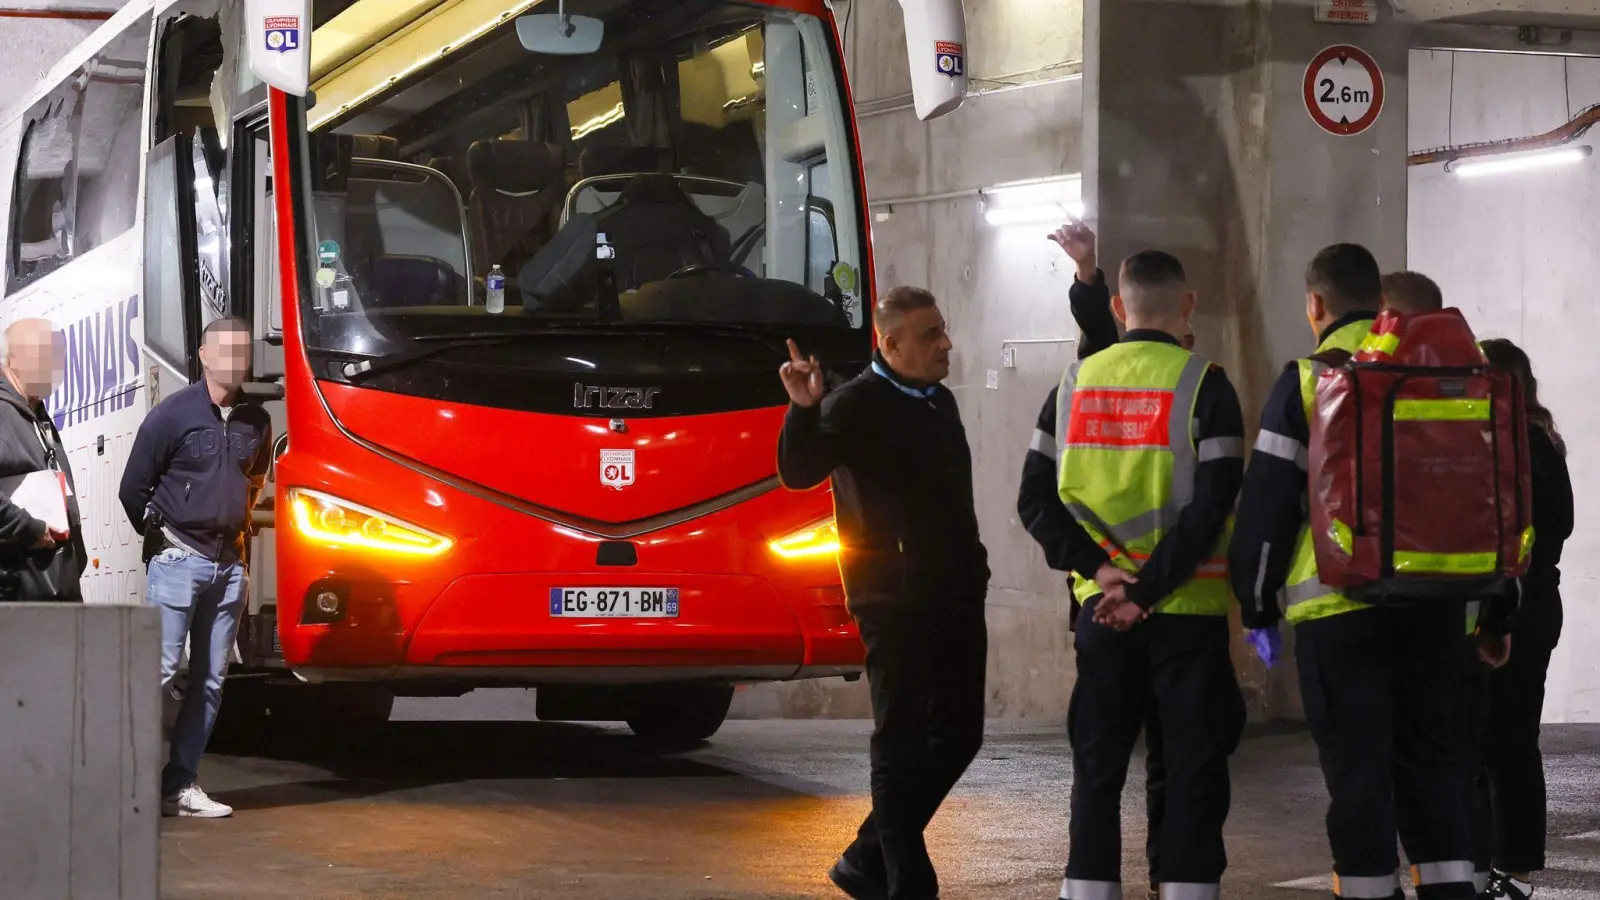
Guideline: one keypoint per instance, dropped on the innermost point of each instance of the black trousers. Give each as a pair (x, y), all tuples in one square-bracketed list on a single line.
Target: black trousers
[(1155, 791), (1178, 666), (925, 670), (1155, 777), (1509, 790), (1381, 688)]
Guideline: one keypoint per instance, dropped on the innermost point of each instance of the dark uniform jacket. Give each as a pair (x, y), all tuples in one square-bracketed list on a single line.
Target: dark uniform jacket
[(902, 489), (29, 442)]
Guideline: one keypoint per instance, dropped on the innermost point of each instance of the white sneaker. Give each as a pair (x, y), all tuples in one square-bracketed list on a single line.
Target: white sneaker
[(193, 802)]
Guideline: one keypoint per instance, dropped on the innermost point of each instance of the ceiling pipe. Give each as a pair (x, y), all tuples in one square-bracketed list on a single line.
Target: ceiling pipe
[(82, 15), (1555, 137)]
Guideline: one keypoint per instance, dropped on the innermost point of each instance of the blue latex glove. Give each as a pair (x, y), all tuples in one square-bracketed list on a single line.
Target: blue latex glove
[(1268, 644)]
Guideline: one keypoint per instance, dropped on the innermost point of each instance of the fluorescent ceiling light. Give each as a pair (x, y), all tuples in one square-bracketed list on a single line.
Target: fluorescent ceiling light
[(609, 117), (1034, 202), (1033, 214), (1537, 159)]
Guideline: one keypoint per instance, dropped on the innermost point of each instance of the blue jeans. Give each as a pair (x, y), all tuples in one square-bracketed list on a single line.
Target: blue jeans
[(200, 600)]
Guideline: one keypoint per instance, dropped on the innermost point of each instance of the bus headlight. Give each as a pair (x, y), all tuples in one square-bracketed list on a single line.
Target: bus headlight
[(821, 539), (331, 520)]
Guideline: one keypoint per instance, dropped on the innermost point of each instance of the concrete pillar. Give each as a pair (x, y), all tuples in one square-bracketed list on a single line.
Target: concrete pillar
[(1197, 141), (80, 760)]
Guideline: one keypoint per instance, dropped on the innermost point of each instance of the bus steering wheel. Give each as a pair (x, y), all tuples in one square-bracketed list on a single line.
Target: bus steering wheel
[(712, 269)]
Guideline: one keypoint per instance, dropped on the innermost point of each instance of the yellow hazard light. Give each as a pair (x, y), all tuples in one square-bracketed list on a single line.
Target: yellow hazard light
[(340, 523), (817, 540)]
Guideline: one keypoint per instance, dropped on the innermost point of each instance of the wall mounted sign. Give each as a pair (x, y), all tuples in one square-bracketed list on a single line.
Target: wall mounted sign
[(1343, 90)]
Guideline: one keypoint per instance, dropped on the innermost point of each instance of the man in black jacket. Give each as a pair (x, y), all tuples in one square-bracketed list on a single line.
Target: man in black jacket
[(37, 562), (1039, 499), (915, 575), (197, 464)]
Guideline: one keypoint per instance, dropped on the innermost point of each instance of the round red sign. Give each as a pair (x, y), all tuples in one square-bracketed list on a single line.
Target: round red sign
[(1343, 90)]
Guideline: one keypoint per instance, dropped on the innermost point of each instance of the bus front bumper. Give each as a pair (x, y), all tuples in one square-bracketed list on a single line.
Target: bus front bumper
[(509, 629)]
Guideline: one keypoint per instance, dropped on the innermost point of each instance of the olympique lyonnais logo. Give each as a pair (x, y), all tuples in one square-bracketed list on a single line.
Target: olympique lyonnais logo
[(616, 468), (948, 57), (282, 33), (1119, 418)]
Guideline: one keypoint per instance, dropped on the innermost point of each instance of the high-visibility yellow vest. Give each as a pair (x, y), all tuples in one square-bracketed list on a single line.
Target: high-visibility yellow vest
[(1124, 429), (1306, 596)]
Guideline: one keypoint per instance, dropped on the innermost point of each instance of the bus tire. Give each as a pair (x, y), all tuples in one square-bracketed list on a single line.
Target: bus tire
[(678, 713)]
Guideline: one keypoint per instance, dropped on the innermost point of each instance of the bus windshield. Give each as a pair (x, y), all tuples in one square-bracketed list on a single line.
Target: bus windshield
[(695, 174)]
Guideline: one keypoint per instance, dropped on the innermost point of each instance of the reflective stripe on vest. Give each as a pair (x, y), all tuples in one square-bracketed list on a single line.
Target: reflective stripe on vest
[(1306, 597), (1127, 460)]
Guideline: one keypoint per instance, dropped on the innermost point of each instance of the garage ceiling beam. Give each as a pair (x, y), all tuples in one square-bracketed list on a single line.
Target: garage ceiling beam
[(1507, 39)]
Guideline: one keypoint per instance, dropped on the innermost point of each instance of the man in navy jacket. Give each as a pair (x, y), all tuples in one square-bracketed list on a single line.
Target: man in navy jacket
[(197, 464)]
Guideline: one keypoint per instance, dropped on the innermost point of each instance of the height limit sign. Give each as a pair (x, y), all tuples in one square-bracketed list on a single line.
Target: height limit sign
[(1344, 90)]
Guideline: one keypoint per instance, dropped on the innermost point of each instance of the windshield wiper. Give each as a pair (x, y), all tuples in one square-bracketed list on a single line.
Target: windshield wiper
[(773, 336), (427, 345), (432, 344)]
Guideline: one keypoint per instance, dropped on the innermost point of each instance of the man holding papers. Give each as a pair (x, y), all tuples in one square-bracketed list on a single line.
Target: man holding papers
[(42, 554)]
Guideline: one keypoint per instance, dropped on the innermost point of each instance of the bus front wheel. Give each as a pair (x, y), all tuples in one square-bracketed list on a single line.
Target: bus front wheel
[(678, 713)]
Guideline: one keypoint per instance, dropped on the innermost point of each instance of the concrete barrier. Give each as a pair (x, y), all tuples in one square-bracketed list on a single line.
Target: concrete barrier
[(80, 744)]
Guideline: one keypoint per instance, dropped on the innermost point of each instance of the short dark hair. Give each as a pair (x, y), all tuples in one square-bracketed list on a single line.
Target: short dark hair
[(226, 323), (901, 302), (1411, 292), (1347, 278), (1153, 269)]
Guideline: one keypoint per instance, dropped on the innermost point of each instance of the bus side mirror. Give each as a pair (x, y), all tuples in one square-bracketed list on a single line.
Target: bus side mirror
[(936, 40), (278, 42), (262, 391), (266, 363)]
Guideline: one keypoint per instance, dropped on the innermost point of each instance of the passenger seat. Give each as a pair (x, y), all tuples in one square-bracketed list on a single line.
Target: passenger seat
[(656, 230), (516, 191)]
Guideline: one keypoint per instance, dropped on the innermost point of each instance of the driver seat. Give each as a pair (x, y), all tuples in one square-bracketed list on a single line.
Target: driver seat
[(656, 230)]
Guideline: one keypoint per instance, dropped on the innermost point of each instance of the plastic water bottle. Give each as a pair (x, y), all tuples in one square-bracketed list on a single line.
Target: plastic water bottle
[(497, 291)]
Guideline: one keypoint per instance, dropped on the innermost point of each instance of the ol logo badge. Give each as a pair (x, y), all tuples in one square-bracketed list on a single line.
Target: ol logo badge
[(616, 468), (282, 33), (948, 56)]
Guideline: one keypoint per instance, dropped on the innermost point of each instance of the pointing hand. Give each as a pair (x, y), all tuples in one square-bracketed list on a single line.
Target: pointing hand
[(802, 378)]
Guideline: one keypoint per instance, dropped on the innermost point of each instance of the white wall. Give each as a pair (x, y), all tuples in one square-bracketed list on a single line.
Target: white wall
[(1520, 254), (30, 47)]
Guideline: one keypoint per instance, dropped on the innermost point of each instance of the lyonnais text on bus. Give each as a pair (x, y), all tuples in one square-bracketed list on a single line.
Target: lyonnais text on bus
[(518, 293)]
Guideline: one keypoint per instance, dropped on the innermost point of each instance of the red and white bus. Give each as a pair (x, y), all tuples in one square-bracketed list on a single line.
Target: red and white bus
[(520, 284)]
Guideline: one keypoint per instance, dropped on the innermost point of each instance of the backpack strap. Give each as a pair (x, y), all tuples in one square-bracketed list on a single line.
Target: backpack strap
[(1333, 358)]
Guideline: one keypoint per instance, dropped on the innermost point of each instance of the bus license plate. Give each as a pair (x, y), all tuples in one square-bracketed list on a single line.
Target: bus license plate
[(614, 603)]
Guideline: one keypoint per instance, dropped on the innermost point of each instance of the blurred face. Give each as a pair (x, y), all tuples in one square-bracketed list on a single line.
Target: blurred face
[(36, 358), (919, 348), (225, 356)]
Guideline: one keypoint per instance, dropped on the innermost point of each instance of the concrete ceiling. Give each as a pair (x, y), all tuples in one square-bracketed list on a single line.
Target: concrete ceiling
[(1552, 13)]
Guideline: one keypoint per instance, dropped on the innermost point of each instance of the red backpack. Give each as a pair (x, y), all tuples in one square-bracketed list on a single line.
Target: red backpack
[(1419, 483)]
